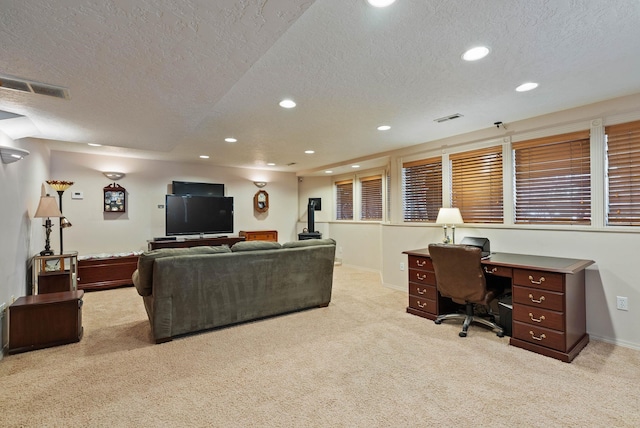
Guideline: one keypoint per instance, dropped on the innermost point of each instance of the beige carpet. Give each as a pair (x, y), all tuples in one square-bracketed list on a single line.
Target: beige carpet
[(361, 362)]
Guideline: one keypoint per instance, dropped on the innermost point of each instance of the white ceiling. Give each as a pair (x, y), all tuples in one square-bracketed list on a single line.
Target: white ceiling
[(170, 80)]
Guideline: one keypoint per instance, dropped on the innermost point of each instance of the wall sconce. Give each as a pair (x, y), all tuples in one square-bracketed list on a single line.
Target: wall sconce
[(450, 216), (260, 184), (113, 175), (12, 154)]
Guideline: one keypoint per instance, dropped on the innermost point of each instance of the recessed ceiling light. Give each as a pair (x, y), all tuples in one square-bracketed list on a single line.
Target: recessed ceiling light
[(328, 171), (95, 144), (230, 140), (204, 157), (384, 128), (380, 3), (287, 104), (309, 152), (271, 164), (355, 166), (476, 53), (526, 87)]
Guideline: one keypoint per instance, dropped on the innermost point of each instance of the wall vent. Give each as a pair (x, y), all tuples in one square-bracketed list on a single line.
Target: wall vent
[(22, 85), (450, 117)]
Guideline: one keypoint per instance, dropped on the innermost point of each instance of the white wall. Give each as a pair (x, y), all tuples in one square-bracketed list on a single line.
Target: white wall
[(22, 236), (147, 182)]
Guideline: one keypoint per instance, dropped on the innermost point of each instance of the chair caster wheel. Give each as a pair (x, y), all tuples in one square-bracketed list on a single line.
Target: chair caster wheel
[(462, 334), (437, 321)]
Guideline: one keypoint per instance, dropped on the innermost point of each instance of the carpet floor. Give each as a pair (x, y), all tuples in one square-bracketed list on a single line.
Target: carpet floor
[(360, 362)]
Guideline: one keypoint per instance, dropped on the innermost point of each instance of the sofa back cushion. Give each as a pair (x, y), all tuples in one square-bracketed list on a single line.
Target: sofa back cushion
[(143, 277), (308, 243), (255, 246)]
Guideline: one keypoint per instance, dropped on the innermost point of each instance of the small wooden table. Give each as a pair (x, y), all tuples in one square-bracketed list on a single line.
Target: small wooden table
[(45, 320)]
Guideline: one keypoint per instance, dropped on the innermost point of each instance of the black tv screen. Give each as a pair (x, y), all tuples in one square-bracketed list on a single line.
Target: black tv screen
[(193, 215), (197, 189)]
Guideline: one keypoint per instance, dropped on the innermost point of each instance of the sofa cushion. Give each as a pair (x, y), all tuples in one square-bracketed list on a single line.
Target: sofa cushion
[(255, 246), (143, 277), (308, 243)]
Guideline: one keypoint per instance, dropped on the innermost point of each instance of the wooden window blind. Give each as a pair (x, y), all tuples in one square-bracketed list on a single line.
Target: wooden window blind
[(371, 198), (344, 200), (476, 185), (623, 174), (553, 180), (422, 189)]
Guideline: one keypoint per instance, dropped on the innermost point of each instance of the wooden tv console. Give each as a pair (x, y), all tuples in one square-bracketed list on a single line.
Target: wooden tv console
[(194, 242)]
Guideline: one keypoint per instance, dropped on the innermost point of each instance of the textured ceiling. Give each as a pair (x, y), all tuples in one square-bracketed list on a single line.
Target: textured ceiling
[(170, 80)]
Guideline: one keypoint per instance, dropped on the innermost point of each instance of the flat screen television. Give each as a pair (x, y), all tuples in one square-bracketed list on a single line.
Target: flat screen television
[(198, 215), (197, 189)]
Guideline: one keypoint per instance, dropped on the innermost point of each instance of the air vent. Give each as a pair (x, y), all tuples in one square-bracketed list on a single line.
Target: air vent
[(450, 117), (33, 87)]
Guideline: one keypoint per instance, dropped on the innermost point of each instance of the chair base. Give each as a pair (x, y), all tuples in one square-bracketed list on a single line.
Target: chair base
[(468, 318)]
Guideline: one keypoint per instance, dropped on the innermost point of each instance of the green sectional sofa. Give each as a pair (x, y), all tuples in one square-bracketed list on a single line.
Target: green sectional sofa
[(187, 290)]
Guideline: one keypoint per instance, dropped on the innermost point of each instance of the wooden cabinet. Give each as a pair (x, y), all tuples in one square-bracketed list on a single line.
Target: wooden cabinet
[(260, 235), (106, 272), (424, 299), (44, 320), (54, 273)]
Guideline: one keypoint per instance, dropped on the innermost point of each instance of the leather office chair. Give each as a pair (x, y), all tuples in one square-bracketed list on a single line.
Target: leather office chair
[(459, 276)]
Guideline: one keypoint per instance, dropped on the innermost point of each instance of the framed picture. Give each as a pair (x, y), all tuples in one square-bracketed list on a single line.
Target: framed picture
[(261, 201), (115, 198)]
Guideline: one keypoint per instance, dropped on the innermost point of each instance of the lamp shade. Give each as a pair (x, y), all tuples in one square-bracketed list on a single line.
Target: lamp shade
[(48, 207), (449, 216)]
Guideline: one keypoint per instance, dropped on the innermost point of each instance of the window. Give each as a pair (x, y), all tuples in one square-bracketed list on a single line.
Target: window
[(553, 180), (476, 185), (371, 198), (344, 200), (422, 189), (623, 174)]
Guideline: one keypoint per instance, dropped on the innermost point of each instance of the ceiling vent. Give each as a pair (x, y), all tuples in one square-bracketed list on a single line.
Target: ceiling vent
[(450, 117), (33, 87)]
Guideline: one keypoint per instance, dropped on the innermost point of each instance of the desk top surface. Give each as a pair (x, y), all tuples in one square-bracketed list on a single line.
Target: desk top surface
[(525, 261)]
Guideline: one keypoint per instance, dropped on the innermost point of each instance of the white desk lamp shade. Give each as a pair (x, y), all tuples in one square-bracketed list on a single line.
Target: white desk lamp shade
[(48, 207), (449, 216)]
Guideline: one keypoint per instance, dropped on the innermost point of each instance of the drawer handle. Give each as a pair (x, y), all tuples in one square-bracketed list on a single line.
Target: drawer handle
[(536, 319), (421, 263), (421, 305), (536, 282), (533, 336), (540, 300), (421, 277), (423, 291), (493, 270)]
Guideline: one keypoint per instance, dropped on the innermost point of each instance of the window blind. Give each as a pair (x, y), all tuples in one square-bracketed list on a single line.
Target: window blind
[(422, 189), (623, 174), (344, 200), (476, 185), (553, 180), (371, 198)]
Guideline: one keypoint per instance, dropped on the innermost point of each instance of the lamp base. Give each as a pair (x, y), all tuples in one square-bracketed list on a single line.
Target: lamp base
[(46, 253)]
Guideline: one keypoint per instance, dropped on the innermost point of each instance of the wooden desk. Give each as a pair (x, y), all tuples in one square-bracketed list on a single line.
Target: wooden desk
[(549, 315)]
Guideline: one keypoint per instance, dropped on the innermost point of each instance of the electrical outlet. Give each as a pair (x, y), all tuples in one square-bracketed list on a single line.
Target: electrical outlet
[(401, 265), (622, 303)]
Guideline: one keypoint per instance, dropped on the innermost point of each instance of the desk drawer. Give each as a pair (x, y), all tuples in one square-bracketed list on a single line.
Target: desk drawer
[(538, 279), (538, 317), (422, 304), (423, 291), (540, 336), (422, 277), (497, 270), (538, 298), (422, 263)]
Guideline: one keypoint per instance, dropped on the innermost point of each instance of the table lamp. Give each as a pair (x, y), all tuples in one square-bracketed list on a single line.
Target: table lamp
[(449, 216), (47, 208)]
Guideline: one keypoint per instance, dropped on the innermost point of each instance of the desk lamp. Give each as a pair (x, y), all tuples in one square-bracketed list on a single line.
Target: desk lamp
[(47, 208), (450, 216)]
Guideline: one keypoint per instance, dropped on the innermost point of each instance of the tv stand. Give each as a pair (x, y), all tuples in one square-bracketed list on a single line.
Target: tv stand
[(195, 242)]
